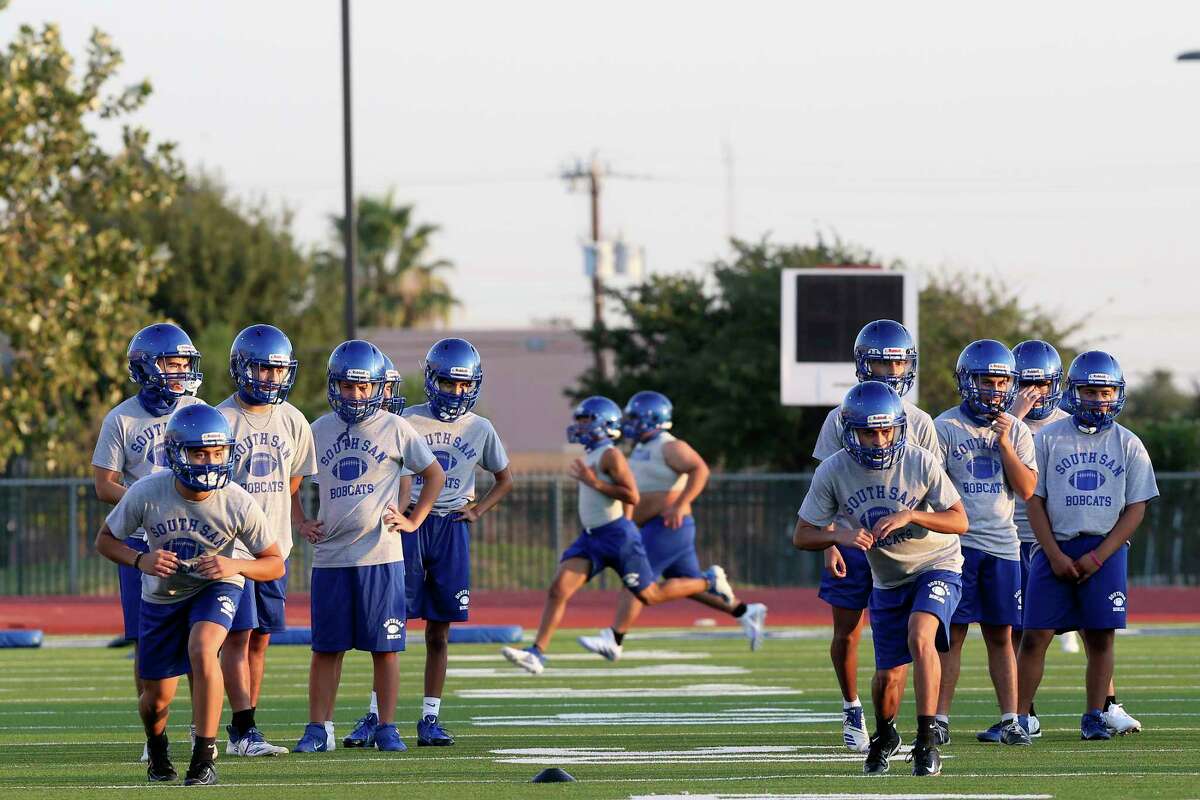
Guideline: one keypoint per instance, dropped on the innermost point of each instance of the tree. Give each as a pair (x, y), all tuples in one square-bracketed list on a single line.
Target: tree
[(397, 284), (712, 343), (1167, 420), (71, 286)]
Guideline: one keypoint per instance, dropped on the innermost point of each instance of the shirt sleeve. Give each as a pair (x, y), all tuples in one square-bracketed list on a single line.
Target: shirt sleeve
[(1041, 447), (493, 458), (926, 435), (1024, 445), (110, 450), (829, 440), (253, 527), (942, 494), (304, 459), (1140, 484), (128, 514), (820, 506), (943, 444), (411, 445)]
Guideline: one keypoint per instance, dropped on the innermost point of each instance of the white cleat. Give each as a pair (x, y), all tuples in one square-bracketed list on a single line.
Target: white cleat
[(145, 759), (854, 730), (253, 744), (718, 584), (525, 659), (1035, 728), (604, 644), (754, 623), (1119, 722), (1069, 642)]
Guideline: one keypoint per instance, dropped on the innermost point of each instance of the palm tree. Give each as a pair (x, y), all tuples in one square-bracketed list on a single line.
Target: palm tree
[(397, 283)]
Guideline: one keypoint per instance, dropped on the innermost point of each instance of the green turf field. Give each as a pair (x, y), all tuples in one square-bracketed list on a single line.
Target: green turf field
[(700, 717)]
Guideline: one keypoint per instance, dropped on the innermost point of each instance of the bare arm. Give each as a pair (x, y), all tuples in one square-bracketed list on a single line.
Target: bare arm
[(807, 536), (1021, 478), (953, 521), (108, 485), (1060, 562), (502, 486), (614, 465), (682, 459), (158, 562), (1131, 517), (267, 565)]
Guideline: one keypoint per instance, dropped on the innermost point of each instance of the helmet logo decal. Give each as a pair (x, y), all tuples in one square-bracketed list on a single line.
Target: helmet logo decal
[(279, 359), (1002, 369), (187, 350), (880, 420), (1033, 374), (460, 372), (894, 352), (1100, 377), (362, 375), (212, 438)]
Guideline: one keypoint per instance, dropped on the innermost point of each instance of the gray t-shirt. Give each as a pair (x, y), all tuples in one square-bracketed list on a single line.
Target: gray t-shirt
[(1087, 479), (1020, 513), (131, 442), (270, 449), (920, 431), (843, 489), (358, 470), (226, 523), (458, 446), (971, 455)]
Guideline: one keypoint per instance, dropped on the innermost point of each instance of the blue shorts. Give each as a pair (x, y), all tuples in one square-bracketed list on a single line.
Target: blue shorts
[(1099, 603), (672, 553), (1026, 557), (617, 545), (263, 606), (130, 581), (854, 590), (935, 592), (165, 627), (991, 590), (437, 569), (358, 608)]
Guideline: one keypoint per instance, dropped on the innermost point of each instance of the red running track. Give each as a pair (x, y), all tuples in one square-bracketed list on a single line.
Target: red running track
[(588, 609)]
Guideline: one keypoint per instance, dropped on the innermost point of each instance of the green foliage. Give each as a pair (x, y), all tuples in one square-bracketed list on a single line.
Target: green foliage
[(1167, 419), (397, 284), (712, 344), (72, 285)]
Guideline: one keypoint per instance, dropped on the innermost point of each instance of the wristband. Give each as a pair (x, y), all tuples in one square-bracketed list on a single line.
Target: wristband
[(1096, 561), (137, 560)]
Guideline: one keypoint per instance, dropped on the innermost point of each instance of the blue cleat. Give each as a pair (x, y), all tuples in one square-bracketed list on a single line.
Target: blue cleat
[(430, 733), (1092, 727), (387, 739), (315, 739), (992, 734), (363, 734)]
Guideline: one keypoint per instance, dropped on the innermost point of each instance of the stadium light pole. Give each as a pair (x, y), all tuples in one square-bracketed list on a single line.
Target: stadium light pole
[(350, 246)]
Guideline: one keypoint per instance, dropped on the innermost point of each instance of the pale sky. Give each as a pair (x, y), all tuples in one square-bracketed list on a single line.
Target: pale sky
[(1052, 145)]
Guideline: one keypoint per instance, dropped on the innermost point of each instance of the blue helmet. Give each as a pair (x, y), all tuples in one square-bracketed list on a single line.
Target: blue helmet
[(454, 360), (646, 411), (199, 425), (266, 346), (873, 404), (597, 419), (1094, 368), (986, 357), (356, 361), (886, 340), (1038, 361), (393, 399), (163, 340)]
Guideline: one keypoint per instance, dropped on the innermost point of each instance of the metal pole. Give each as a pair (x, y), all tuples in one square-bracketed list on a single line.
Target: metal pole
[(73, 539), (597, 286), (350, 244)]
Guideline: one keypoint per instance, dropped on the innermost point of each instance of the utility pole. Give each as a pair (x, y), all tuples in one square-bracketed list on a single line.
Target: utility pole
[(350, 247), (593, 174)]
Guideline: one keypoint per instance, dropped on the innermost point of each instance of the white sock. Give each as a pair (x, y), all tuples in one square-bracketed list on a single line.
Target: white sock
[(329, 729), (1007, 717), (374, 709), (431, 706), (942, 718), (855, 703)]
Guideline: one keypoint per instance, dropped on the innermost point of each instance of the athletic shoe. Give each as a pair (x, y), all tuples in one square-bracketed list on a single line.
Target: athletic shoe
[(1032, 725), (992, 734), (925, 760), (145, 759), (315, 739), (160, 770), (1118, 721), (754, 623), (253, 743), (430, 733), (1092, 727), (1069, 642), (603, 644), (529, 659), (1013, 733), (202, 774), (941, 732), (387, 739), (718, 584), (880, 749), (854, 730), (363, 734)]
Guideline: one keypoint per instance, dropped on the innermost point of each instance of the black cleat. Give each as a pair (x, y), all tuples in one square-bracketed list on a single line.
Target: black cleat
[(925, 760), (882, 747), (161, 770), (202, 774)]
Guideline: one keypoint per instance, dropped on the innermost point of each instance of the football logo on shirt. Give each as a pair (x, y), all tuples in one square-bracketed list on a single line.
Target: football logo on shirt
[(983, 467), (444, 458), (1118, 602), (350, 468), (872, 515), (393, 628), (1086, 480), (260, 465), (158, 455)]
